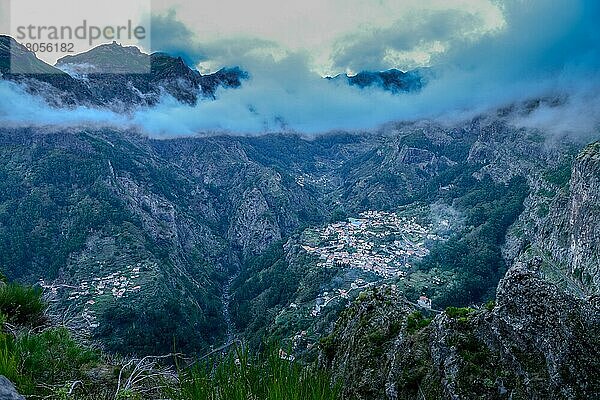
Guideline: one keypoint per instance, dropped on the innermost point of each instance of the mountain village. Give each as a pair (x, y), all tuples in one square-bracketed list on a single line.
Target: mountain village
[(384, 243)]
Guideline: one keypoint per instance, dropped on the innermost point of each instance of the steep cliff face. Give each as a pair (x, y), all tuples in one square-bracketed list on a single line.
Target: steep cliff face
[(538, 342), (571, 236), (542, 331), (258, 203)]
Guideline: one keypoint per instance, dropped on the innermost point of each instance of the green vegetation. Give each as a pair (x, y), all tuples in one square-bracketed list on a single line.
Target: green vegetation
[(416, 321), (50, 357), (60, 209), (419, 378), (339, 214), (461, 314), (46, 362), (474, 254), (458, 312), (21, 304), (455, 149), (268, 284), (328, 346), (543, 210), (560, 175), (241, 376), (482, 369), (37, 359), (543, 192)]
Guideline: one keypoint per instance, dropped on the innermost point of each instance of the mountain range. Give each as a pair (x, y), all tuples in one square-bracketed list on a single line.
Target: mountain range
[(143, 245), (102, 77)]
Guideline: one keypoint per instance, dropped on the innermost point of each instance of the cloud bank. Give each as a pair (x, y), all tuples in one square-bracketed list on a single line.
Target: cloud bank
[(540, 49), (19, 108), (543, 50)]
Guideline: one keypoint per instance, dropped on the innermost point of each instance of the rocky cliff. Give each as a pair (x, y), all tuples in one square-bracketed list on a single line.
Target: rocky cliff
[(537, 342), (570, 238)]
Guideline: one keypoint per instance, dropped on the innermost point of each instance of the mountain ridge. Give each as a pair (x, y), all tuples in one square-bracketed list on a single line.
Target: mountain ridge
[(121, 86)]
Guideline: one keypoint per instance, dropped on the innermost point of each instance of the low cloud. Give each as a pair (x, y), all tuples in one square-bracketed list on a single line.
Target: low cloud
[(544, 50), (19, 108)]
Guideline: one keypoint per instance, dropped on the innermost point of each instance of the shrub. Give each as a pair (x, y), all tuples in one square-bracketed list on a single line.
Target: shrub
[(560, 175), (21, 304), (416, 321), (490, 305), (52, 356), (458, 312), (9, 364), (328, 346)]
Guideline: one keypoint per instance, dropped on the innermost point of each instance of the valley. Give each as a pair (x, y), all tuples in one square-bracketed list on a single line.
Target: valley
[(453, 258), (189, 213)]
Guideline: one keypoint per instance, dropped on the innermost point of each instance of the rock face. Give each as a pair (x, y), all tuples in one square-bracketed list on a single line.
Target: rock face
[(370, 351), (548, 335), (538, 342), (572, 233), (253, 226), (8, 391), (259, 204)]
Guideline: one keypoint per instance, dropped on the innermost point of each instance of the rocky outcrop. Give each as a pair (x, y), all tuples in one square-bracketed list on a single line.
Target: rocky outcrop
[(537, 342), (122, 77), (550, 338), (371, 344), (8, 391)]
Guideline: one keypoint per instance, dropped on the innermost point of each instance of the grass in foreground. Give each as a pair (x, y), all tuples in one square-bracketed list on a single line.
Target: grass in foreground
[(44, 361), (240, 376)]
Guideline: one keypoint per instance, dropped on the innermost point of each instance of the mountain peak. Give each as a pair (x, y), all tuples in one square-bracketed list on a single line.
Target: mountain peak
[(17, 59), (109, 58), (391, 80)]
